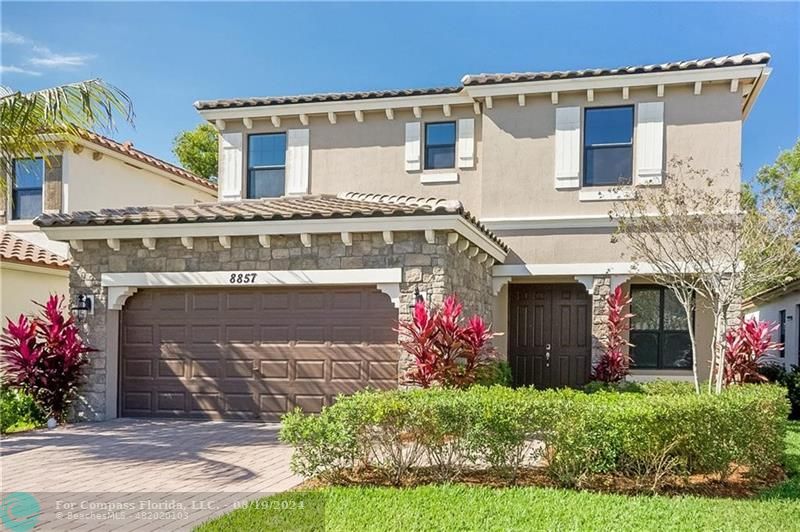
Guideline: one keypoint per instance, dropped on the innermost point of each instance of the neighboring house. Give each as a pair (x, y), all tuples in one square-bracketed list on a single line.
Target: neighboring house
[(95, 173), (336, 211), (781, 306)]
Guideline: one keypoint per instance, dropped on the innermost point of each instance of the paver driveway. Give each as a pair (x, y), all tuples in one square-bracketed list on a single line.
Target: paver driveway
[(130, 474)]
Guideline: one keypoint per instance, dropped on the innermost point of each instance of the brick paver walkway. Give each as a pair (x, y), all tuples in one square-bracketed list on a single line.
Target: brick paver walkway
[(130, 474)]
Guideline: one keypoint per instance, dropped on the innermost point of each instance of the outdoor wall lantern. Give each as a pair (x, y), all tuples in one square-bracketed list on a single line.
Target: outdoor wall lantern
[(419, 297), (84, 306)]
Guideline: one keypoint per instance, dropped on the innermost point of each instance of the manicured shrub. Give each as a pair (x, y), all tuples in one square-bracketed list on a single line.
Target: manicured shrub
[(792, 383), (614, 363), (621, 386), (18, 409), (664, 387), (446, 351), (46, 357), (745, 347), (495, 373), (667, 430)]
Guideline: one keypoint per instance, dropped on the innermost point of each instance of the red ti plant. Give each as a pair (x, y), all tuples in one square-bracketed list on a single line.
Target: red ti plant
[(614, 365), (745, 346), (446, 351), (45, 357)]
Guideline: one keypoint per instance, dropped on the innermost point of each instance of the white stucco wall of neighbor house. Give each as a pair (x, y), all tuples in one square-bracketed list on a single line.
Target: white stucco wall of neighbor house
[(771, 311), (22, 286)]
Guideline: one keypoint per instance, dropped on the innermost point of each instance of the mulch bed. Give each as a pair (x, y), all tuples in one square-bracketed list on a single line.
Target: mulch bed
[(739, 485)]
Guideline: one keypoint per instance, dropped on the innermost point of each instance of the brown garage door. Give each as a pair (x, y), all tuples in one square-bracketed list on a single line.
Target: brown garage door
[(252, 353)]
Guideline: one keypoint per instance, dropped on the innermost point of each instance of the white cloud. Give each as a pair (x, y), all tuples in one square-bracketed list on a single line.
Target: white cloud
[(9, 37), (49, 59), (11, 69)]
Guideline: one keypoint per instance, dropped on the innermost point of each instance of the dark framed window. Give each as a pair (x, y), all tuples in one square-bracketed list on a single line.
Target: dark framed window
[(608, 146), (26, 190), (266, 165), (659, 329), (440, 145), (782, 332)]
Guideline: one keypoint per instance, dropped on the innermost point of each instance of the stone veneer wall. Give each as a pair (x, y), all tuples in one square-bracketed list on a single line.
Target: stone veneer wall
[(438, 269)]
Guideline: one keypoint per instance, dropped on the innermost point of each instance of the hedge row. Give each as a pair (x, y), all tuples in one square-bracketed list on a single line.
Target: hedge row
[(572, 435)]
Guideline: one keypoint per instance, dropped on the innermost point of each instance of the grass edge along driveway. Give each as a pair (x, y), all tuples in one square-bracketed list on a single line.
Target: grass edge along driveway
[(459, 507)]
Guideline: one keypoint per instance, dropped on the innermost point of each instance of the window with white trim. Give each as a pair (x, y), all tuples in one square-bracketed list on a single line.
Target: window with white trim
[(266, 165), (608, 146), (26, 189), (440, 145)]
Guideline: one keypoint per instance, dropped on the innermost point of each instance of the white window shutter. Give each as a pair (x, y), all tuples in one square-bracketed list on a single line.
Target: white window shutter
[(413, 147), (297, 155), (568, 147), (649, 143), (230, 167), (466, 143)]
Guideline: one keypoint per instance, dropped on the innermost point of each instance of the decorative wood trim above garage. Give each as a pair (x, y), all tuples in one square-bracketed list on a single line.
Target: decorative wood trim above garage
[(123, 285)]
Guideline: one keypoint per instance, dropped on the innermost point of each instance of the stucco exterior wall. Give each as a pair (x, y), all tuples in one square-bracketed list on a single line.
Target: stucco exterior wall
[(109, 183), (435, 269), (369, 156), (518, 163), (768, 311), (21, 285)]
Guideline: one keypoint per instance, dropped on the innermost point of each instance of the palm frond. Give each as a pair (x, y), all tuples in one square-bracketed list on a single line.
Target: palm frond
[(31, 122)]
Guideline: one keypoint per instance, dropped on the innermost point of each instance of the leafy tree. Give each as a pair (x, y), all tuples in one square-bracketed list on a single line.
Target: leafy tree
[(196, 149), (31, 122), (695, 239), (781, 179)]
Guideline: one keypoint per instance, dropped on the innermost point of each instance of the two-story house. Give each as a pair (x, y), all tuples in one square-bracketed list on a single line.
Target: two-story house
[(97, 172), (336, 212)]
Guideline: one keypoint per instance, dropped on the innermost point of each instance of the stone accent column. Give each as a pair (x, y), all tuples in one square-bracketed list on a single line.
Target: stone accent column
[(601, 287)]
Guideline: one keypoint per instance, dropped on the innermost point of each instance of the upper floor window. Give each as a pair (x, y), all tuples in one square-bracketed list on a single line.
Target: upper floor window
[(440, 145), (608, 146), (266, 165), (659, 329), (26, 190)]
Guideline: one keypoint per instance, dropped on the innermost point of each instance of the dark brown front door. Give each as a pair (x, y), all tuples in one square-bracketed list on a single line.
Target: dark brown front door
[(549, 344), (252, 353)]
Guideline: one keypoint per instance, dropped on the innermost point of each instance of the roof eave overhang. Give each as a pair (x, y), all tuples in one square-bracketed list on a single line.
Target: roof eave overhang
[(147, 167), (757, 88), (440, 222), (311, 108)]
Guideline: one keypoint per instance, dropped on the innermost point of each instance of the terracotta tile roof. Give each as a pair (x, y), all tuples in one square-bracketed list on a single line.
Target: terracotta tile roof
[(487, 79), (127, 149), (321, 97), (693, 64), (15, 249), (345, 205)]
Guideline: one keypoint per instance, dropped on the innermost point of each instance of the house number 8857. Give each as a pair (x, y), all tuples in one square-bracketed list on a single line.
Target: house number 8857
[(242, 278)]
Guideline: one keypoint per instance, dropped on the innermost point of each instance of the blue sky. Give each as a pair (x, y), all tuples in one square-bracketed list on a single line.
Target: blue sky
[(167, 55)]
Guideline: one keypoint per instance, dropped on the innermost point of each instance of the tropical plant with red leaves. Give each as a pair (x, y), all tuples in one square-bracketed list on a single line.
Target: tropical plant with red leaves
[(746, 345), (46, 357), (446, 351), (614, 364)]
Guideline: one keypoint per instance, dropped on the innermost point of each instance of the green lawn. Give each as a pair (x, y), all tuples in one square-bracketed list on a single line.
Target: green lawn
[(459, 507)]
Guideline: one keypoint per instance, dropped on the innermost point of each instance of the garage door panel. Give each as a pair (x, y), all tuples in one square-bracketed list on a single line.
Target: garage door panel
[(206, 369), (311, 403), (345, 370), (253, 353), (136, 367), (172, 369), (274, 403), (309, 370), (139, 402), (274, 369)]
